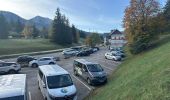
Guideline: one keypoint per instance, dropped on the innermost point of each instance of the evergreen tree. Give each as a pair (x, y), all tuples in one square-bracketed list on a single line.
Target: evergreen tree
[(44, 32), (82, 34), (67, 31), (3, 28), (56, 28), (19, 26), (60, 32), (75, 34)]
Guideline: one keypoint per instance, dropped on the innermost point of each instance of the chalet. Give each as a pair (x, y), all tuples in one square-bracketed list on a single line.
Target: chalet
[(116, 38)]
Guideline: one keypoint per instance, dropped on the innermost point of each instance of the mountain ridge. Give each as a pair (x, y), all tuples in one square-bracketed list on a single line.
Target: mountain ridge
[(39, 21)]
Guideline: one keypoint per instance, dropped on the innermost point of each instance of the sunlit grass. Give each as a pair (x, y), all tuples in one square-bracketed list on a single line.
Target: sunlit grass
[(141, 77)]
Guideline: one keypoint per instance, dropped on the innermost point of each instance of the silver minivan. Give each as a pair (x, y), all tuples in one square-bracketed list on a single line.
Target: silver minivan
[(55, 83), (92, 72), (13, 87)]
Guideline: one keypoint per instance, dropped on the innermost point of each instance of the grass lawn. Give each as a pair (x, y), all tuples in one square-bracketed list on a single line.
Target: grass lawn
[(141, 77), (14, 46)]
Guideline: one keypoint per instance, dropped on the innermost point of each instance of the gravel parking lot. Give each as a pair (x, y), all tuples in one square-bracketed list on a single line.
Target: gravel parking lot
[(82, 87)]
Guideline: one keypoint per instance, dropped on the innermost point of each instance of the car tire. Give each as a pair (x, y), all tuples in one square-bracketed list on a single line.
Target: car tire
[(12, 72), (34, 65), (89, 81), (51, 63), (105, 57)]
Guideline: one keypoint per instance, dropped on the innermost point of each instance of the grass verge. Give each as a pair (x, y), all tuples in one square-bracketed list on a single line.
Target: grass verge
[(15, 46), (142, 77)]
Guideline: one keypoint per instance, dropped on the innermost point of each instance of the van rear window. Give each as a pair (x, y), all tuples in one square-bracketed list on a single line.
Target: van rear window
[(14, 98)]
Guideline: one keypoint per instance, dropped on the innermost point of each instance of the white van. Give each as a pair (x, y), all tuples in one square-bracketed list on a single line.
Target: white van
[(55, 83), (13, 87)]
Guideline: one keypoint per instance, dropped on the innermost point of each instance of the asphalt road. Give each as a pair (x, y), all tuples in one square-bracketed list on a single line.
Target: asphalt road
[(83, 89)]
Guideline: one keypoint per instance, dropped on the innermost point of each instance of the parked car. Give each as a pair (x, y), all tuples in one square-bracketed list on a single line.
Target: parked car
[(119, 53), (82, 53), (88, 50), (69, 52), (93, 73), (9, 67), (55, 83), (24, 60), (13, 87), (112, 56), (95, 49), (116, 49), (76, 48), (42, 61)]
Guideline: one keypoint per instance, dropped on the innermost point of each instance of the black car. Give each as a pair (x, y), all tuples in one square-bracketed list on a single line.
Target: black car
[(89, 50), (24, 60), (82, 53)]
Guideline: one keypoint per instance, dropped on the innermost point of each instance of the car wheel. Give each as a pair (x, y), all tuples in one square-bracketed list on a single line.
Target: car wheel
[(89, 81), (34, 65), (105, 57), (51, 63), (12, 72)]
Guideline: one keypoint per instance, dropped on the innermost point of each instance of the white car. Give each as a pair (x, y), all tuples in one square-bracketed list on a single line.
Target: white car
[(112, 56), (42, 61), (69, 52), (9, 67)]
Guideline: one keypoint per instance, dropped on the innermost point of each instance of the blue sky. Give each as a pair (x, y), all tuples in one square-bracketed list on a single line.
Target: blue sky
[(89, 15)]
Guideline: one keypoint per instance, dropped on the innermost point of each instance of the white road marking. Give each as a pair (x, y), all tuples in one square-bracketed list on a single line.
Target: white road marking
[(82, 83), (29, 93)]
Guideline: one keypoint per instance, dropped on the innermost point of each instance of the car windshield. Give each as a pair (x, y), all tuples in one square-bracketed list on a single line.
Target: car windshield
[(94, 67), (14, 98), (116, 54), (59, 81)]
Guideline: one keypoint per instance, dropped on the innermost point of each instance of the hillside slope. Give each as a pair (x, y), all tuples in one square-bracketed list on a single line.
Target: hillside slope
[(141, 77), (38, 21)]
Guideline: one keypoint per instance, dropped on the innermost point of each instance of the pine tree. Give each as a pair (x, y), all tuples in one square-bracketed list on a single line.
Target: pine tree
[(3, 28), (75, 34), (60, 32), (44, 32), (55, 33), (19, 26)]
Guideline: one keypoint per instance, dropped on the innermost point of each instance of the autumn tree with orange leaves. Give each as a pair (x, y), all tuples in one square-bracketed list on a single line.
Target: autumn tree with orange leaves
[(137, 21)]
